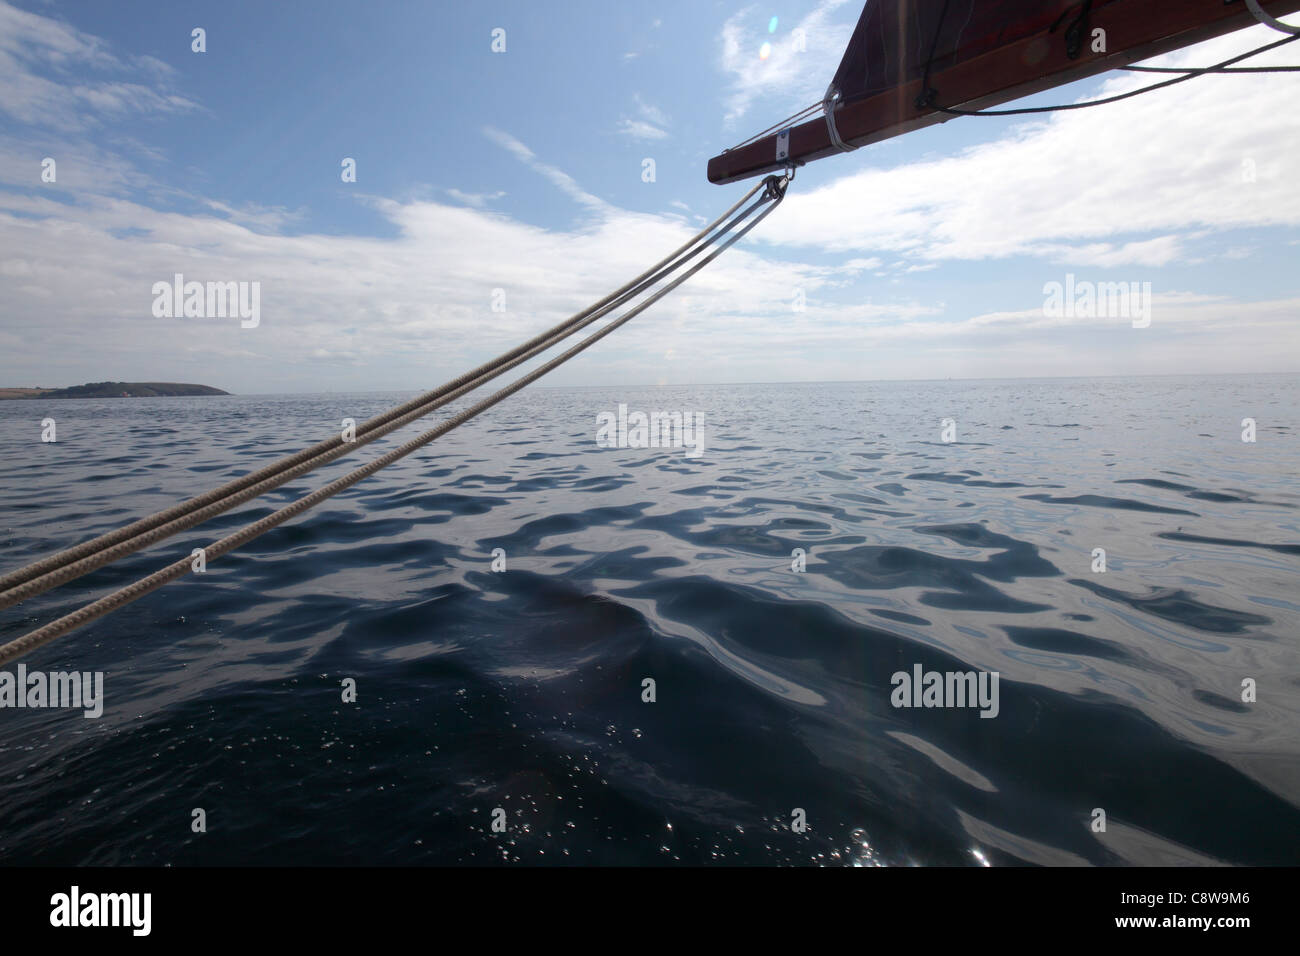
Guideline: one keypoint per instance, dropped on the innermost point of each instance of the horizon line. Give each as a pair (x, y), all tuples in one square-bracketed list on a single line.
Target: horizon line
[(900, 381)]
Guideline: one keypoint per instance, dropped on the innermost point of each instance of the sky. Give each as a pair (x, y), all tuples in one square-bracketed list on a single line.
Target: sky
[(515, 176)]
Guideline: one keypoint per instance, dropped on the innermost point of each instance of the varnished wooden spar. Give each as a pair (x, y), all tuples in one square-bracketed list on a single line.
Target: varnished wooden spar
[(1136, 30)]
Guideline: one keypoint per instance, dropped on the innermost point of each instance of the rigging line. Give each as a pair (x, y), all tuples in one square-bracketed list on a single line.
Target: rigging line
[(927, 94), (107, 555), (152, 521), (772, 197), (1192, 74), (1074, 32), (806, 111), (86, 548), (1227, 69)]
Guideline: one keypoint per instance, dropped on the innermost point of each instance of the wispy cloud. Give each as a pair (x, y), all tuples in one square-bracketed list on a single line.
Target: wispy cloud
[(36, 54), (562, 180), (649, 123), (255, 216), (650, 113), (794, 74), (477, 200), (640, 129)]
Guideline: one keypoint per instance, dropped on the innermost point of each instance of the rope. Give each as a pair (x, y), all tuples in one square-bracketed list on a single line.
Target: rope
[(829, 105), (927, 94), (67, 565), (774, 193), (1189, 75), (1226, 69), (1074, 32), (788, 121), (1269, 20)]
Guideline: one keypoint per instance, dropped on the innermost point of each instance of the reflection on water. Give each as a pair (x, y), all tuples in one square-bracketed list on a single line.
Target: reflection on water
[(1119, 690)]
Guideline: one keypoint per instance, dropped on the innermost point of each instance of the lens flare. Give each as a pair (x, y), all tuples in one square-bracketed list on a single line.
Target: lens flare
[(765, 51), (771, 25)]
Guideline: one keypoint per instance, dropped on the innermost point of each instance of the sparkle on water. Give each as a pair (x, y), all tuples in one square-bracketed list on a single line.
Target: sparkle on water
[(521, 691)]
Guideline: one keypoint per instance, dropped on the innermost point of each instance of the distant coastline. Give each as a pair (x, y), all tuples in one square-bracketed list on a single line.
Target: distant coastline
[(111, 390)]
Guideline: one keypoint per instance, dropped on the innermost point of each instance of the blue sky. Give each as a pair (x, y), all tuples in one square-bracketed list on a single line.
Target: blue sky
[(923, 257)]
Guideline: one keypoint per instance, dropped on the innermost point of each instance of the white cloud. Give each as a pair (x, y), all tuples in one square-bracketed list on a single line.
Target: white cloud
[(650, 124), (371, 313), (1160, 251), (651, 113), (389, 311), (561, 179), (640, 129), (1082, 186), (789, 78), (254, 216), (477, 200), (35, 53)]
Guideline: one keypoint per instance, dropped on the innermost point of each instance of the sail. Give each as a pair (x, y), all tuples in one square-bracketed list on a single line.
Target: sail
[(908, 61), (893, 41)]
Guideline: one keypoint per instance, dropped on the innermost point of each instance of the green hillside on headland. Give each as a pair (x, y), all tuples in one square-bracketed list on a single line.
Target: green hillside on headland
[(113, 390)]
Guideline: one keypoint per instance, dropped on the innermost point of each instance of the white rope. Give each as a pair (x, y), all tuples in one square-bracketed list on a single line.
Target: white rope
[(1270, 21), (773, 193), (830, 103)]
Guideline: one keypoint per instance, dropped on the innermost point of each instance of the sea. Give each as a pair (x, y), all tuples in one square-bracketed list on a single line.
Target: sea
[(941, 623)]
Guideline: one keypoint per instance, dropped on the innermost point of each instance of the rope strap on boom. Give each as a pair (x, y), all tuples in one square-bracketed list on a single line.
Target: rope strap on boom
[(830, 103), (1269, 20)]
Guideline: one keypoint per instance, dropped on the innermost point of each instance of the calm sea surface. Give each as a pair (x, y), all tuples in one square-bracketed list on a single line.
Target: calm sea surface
[(1119, 691)]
